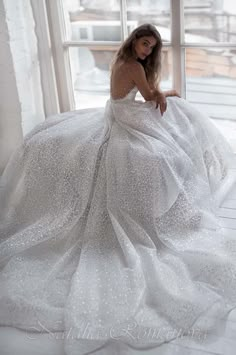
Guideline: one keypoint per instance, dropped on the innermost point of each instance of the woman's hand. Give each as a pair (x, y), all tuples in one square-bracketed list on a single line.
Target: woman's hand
[(171, 93), (160, 99)]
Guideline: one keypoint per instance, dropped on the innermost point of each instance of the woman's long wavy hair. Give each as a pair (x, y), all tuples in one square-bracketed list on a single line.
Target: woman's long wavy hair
[(152, 63)]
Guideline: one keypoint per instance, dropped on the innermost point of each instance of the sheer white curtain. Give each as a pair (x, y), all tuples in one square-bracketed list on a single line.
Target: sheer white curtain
[(21, 101)]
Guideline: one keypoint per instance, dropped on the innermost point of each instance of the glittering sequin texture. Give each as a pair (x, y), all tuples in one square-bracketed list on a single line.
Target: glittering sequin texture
[(108, 226)]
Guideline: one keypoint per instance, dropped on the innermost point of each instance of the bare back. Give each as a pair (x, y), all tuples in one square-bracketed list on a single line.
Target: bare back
[(121, 81)]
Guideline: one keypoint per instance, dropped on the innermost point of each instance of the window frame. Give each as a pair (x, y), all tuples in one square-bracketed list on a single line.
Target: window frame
[(60, 48)]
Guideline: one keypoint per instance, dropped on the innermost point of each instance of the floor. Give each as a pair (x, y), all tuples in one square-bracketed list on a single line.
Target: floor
[(17, 342)]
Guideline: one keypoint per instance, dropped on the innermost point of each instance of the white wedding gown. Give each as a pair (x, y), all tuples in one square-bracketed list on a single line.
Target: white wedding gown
[(108, 227)]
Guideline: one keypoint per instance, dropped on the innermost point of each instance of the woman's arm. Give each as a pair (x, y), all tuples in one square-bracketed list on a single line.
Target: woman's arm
[(138, 76)]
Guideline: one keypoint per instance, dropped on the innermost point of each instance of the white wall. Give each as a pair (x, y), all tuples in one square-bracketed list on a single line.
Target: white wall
[(21, 99)]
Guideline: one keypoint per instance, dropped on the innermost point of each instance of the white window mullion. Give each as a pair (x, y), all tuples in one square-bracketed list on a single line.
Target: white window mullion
[(123, 19), (61, 55), (106, 45), (177, 33), (211, 45)]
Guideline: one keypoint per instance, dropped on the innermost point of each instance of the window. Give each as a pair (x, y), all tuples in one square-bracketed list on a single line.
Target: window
[(199, 53), (210, 60)]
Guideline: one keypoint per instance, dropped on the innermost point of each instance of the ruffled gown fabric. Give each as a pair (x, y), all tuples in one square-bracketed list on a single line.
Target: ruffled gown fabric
[(108, 227)]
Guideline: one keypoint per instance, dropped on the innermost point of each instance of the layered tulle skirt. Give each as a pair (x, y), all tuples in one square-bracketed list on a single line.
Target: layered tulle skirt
[(109, 231)]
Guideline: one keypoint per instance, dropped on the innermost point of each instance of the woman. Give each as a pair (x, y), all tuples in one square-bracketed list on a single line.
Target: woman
[(108, 227), (137, 64)]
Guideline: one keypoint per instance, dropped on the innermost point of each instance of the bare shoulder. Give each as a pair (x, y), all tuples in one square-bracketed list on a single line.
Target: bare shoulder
[(135, 70), (129, 67), (134, 66)]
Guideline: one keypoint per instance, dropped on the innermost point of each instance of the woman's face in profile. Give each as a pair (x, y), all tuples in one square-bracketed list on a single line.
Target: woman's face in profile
[(143, 46)]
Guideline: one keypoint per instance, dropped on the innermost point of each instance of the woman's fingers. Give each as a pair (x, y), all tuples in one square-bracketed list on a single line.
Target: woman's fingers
[(161, 100), (163, 107)]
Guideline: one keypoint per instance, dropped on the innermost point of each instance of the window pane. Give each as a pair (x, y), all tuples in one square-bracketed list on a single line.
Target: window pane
[(211, 86), (86, 20), (166, 69), (210, 21), (91, 74), (149, 11)]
